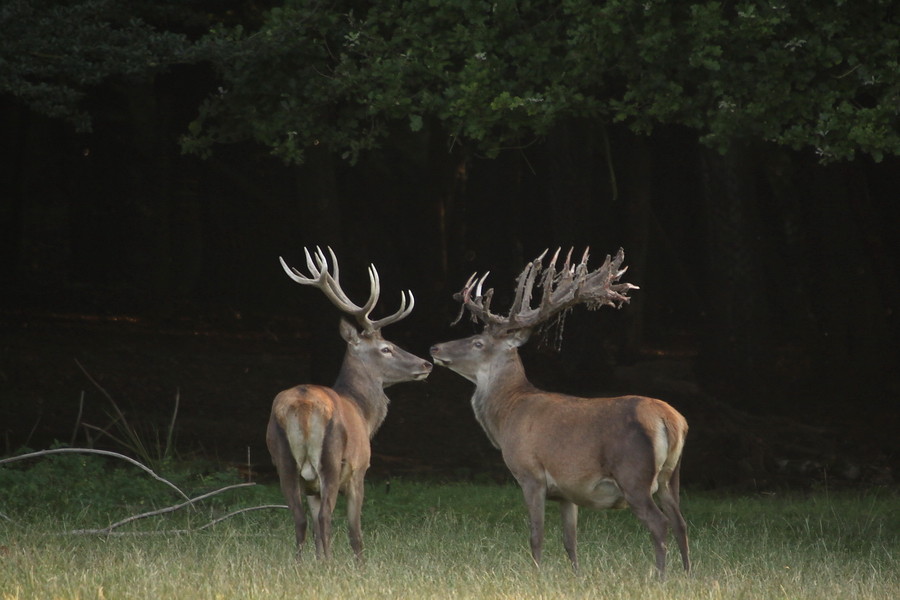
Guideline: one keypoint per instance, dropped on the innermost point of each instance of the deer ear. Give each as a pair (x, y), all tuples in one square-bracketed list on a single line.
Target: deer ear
[(518, 337), (348, 332)]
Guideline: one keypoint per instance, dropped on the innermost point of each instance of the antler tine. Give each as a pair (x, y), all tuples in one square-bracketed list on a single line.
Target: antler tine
[(555, 258), (567, 266), (316, 272), (581, 270), (333, 281), (321, 261), (547, 282), (463, 297), (526, 285), (601, 287), (480, 284), (467, 288), (486, 302), (334, 261), (519, 297), (374, 289), (362, 312), (478, 306), (294, 273), (405, 311), (321, 278), (406, 305), (551, 280), (320, 268), (551, 268)]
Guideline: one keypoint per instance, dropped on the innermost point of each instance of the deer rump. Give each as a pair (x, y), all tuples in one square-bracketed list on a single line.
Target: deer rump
[(303, 423)]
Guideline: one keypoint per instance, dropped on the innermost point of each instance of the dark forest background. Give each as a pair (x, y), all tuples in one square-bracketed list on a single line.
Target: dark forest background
[(160, 157)]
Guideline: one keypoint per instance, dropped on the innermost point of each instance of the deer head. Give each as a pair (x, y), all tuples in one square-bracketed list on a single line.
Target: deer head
[(387, 361)]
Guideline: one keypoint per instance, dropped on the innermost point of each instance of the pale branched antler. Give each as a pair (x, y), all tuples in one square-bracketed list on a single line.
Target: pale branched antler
[(330, 285), (561, 289)]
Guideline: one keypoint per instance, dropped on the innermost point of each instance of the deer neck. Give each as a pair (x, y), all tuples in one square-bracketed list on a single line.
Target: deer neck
[(498, 389), (365, 389)]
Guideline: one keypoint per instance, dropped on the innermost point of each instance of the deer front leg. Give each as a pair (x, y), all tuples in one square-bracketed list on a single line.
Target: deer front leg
[(535, 500), (568, 511), (355, 493)]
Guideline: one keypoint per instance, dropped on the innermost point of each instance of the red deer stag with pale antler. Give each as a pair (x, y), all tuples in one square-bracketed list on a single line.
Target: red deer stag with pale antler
[(594, 452), (319, 436)]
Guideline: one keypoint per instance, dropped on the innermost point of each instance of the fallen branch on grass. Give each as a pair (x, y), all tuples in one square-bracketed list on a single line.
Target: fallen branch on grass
[(160, 511), (109, 529), (216, 521)]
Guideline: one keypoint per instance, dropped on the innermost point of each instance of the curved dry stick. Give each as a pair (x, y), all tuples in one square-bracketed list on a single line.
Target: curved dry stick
[(161, 511), (236, 512), (102, 453), (178, 531)]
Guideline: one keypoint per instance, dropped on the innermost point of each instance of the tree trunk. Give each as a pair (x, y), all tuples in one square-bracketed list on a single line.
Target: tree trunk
[(12, 206), (737, 332), (634, 162), (847, 295)]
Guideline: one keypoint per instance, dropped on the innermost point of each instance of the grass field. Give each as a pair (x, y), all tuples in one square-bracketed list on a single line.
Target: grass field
[(430, 540)]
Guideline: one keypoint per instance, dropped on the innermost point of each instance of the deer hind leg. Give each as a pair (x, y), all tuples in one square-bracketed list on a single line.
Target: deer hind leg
[(288, 479), (568, 511), (326, 512), (315, 507), (322, 509), (646, 510), (669, 499), (291, 490), (329, 487)]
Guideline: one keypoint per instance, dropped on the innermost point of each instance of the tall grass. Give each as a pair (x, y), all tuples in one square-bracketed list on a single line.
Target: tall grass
[(427, 540)]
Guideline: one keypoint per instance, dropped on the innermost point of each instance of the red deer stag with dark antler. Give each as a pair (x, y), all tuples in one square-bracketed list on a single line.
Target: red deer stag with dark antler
[(319, 436), (594, 452)]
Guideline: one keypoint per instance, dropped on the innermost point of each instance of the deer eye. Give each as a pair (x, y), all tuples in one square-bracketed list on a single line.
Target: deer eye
[(386, 350), (478, 344)]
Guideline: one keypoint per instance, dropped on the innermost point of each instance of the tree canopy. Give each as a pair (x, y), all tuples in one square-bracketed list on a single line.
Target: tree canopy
[(345, 75), (52, 53)]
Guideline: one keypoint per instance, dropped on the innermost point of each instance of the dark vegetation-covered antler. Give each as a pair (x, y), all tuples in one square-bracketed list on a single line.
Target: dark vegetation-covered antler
[(560, 289)]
